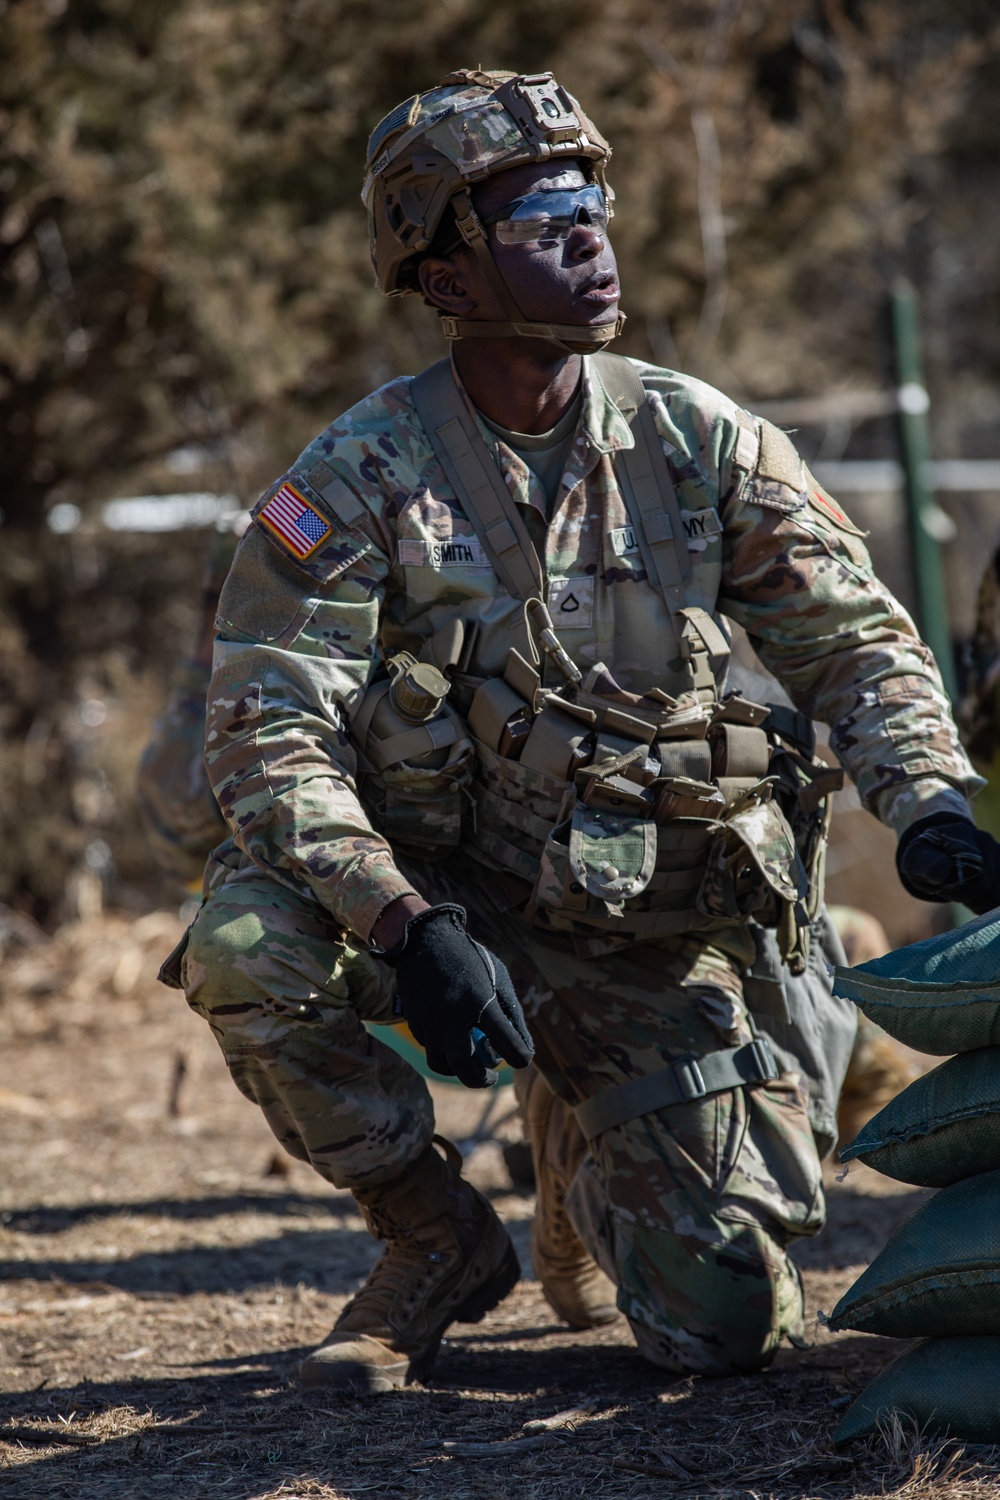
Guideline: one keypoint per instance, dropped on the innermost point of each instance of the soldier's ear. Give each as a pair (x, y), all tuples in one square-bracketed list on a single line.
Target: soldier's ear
[(448, 282)]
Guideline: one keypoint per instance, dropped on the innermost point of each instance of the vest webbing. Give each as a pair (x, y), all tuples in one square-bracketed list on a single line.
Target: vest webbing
[(647, 486), (472, 471), (476, 479)]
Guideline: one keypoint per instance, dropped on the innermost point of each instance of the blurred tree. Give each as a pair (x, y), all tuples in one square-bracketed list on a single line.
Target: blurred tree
[(182, 247), (184, 278)]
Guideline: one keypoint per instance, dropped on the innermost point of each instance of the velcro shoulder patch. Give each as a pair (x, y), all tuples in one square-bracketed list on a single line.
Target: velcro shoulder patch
[(296, 522), (779, 479), (334, 493), (779, 458), (747, 449)]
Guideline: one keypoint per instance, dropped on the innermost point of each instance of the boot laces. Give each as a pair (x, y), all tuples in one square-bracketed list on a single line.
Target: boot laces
[(402, 1274), (559, 1240)]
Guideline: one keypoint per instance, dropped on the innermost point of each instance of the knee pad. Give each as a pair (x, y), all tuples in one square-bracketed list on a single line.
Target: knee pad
[(719, 1309)]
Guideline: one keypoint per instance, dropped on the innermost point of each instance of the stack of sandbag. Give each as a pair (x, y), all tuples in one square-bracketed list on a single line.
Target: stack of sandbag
[(938, 1277)]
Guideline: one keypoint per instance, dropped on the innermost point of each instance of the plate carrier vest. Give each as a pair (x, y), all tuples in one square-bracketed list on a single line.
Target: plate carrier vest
[(622, 818)]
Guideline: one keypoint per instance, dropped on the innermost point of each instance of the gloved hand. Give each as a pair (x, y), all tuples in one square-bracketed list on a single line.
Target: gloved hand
[(447, 986), (947, 858)]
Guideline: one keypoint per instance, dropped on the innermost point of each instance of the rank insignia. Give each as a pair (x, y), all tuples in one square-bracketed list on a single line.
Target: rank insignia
[(299, 524)]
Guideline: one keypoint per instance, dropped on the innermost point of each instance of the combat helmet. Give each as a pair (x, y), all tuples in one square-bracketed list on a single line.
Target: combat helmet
[(425, 155)]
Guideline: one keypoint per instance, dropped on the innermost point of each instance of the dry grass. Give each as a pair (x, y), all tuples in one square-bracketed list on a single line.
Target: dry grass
[(165, 1269)]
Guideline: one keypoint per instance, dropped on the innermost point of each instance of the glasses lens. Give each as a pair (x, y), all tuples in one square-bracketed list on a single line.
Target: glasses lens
[(542, 218)]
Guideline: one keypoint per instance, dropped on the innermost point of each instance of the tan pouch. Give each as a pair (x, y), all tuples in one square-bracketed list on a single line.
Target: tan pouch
[(683, 797), (556, 744), (494, 704), (691, 759), (753, 867), (739, 751)]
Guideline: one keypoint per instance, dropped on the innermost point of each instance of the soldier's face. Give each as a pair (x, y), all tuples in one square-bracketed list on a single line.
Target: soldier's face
[(572, 280)]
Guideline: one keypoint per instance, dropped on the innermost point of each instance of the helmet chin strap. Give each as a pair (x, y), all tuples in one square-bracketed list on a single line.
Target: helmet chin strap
[(574, 338)]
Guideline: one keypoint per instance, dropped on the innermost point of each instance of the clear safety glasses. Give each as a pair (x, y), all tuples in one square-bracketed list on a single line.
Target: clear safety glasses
[(546, 217)]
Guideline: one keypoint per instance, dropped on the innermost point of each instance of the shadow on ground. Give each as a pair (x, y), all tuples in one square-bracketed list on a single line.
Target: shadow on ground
[(331, 1260), (250, 1433), (43, 1219)]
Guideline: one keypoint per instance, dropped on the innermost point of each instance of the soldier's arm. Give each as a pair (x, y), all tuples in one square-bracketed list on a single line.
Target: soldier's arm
[(798, 578), (295, 650)]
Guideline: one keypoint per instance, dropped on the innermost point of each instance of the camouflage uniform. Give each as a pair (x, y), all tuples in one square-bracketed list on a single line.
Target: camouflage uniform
[(689, 1209), (184, 825)]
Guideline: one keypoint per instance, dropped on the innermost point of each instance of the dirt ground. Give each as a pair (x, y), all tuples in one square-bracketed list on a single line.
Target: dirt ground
[(165, 1269)]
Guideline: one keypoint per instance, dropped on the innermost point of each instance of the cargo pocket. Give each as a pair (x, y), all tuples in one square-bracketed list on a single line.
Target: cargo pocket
[(774, 1177)]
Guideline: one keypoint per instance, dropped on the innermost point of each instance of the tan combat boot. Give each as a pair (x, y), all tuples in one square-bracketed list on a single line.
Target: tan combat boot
[(447, 1259), (575, 1287)]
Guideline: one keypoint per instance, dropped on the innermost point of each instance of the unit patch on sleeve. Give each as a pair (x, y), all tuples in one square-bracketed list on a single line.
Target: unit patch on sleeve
[(297, 523), (821, 500)]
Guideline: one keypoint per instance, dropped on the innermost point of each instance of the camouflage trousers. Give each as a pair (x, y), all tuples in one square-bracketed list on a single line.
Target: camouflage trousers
[(286, 1001), (689, 1210)]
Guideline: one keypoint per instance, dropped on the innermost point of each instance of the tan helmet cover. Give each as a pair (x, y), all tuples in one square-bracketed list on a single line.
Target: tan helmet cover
[(427, 152)]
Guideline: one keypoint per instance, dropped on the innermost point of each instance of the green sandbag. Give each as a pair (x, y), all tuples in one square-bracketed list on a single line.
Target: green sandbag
[(941, 1128), (939, 1273), (938, 996), (948, 1387)]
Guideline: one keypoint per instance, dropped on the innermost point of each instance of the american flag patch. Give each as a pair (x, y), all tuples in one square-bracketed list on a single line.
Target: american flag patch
[(299, 525)]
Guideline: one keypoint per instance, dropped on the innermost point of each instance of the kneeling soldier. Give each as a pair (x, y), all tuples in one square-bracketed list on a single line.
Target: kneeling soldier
[(469, 707)]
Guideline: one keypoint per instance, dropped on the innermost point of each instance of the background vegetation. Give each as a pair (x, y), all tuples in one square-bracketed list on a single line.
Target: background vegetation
[(185, 294)]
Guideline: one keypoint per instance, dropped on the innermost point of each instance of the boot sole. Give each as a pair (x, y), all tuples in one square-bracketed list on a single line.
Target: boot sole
[(362, 1379), (373, 1380)]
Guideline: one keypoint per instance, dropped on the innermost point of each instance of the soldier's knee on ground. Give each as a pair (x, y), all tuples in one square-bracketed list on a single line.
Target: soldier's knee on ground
[(723, 1311)]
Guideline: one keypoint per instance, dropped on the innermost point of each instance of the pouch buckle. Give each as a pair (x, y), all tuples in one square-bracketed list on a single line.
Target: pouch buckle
[(764, 1059), (690, 1080)]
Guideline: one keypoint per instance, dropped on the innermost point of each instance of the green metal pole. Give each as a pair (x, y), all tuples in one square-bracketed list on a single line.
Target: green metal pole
[(925, 516)]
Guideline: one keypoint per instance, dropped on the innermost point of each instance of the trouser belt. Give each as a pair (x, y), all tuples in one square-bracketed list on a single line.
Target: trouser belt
[(689, 1078)]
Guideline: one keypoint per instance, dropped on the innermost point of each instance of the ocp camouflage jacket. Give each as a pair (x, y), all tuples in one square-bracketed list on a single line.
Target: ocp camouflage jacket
[(300, 636)]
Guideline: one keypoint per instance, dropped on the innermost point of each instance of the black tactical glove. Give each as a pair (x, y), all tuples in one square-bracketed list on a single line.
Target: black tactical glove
[(449, 986), (947, 858)]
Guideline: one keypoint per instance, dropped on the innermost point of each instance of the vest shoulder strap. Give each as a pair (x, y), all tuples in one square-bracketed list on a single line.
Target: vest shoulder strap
[(647, 486), (477, 481)]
